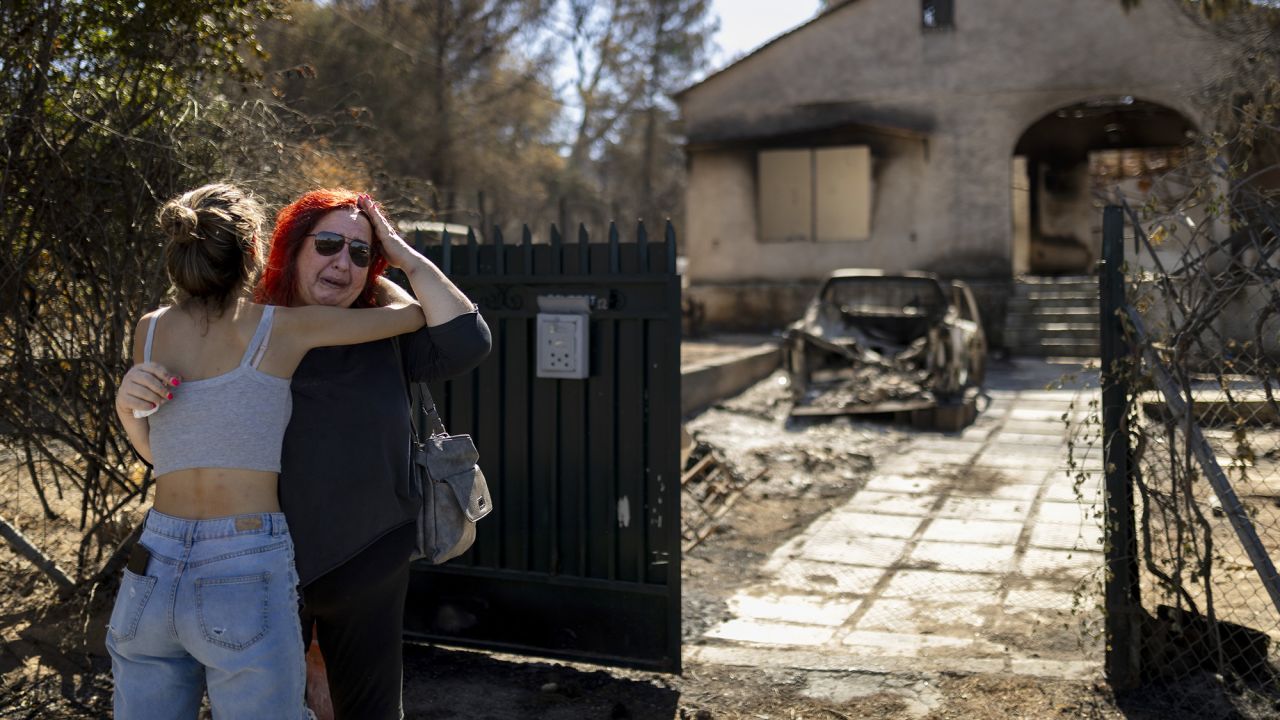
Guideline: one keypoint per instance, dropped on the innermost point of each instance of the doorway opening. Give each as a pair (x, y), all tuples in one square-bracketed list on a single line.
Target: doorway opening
[(1069, 161)]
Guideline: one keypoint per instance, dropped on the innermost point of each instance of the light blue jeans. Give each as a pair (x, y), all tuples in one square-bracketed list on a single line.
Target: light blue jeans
[(216, 609)]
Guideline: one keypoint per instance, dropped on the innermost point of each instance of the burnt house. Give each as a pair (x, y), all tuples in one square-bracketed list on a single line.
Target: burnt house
[(971, 138)]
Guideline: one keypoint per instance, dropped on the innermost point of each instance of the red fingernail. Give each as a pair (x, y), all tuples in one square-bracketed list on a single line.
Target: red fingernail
[(170, 396), (153, 405), (174, 382)]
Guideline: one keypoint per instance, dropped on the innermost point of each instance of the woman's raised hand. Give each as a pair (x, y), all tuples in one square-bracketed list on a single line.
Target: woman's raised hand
[(440, 299), (145, 388), (393, 247)]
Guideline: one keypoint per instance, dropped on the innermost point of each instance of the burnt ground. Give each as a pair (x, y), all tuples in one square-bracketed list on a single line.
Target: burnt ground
[(51, 665), (797, 480)]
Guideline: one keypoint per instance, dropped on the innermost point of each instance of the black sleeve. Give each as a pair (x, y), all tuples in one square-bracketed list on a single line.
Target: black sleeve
[(446, 350)]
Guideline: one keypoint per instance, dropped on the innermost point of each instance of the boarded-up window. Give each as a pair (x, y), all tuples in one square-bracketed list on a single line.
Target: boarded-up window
[(821, 194), (786, 195), (842, 183)]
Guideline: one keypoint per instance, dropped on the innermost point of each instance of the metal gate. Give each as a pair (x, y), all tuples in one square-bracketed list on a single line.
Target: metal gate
[(1191, 432), (581, 556)]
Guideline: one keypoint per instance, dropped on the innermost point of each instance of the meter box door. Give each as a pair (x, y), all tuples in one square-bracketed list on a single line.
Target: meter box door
[(562, 346)]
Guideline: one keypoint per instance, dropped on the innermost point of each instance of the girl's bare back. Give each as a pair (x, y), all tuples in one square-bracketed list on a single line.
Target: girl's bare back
[(195, 349)]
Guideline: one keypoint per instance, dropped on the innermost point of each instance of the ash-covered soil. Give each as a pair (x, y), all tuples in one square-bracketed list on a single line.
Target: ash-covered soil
[(52, 666)]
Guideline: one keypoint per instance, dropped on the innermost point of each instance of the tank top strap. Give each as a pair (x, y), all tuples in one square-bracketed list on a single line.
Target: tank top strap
[(258, 344), (151, 334)]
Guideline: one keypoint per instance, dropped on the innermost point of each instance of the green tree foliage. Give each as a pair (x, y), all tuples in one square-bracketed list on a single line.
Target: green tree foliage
[(102, 118), (630, 56), (108, 108), (460, 94), (607, 73), (676, 35), (451, 92)]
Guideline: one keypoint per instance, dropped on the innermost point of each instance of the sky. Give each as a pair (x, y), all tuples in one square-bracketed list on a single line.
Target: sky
[(747, 24)]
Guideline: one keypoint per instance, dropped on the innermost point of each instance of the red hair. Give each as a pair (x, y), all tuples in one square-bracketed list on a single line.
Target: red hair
[(279, 282)]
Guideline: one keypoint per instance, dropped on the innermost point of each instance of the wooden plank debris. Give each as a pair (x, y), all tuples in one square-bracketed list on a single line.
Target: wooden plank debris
[(710, 486)]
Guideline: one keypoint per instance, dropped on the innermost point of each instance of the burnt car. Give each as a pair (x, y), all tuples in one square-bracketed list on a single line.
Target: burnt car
[(871, 340)]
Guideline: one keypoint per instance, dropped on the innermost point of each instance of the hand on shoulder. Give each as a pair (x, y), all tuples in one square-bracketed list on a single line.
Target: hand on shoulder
[(145, 387)]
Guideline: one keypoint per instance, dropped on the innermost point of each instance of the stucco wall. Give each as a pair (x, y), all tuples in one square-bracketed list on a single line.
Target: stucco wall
[(943, 200)]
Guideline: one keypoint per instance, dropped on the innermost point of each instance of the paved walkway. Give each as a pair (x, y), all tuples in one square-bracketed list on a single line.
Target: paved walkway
[(967, 552)]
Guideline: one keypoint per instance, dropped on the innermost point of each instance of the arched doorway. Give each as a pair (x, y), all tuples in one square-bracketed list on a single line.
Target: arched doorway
[(1069, 160)]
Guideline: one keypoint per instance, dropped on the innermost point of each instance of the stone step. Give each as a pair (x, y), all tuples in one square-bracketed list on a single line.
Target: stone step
[(1053, 317), (1085, 294), (1018, 340), (1060, 322), (1053, 329), (1025, 307), (1052, 353), (1057, 280), (1056, 287), (1081, 294), (1022, 306), (1058, 347), (1040, 316)]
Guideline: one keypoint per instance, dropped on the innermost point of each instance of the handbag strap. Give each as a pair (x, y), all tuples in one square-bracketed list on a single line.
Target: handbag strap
[(419, 396)]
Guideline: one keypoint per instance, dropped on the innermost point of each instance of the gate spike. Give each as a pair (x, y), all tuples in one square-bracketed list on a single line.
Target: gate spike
[(671, 247), (556, 266), (526, 242), (446, 253), (584, 250), (473, 252), (642, 245), (613, 248), (500, 252)]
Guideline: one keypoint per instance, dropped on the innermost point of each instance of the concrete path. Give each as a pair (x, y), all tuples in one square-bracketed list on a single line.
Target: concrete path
[(969, 552)]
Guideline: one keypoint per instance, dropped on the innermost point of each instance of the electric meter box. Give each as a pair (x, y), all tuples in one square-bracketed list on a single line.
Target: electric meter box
[(562, 346)]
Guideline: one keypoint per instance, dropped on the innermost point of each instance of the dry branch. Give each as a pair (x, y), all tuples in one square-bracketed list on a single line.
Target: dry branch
[(43, 563)]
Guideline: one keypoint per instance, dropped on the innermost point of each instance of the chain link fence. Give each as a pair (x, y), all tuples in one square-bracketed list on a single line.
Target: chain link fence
[(1193, 464)]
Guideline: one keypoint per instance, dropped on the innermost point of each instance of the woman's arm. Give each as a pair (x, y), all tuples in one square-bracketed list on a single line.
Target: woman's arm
[(444, 351), (312, 326), (441, 300), (145, 387), (389, 294)]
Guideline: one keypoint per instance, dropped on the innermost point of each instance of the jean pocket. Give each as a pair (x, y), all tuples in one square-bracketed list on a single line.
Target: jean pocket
[(233, 610), (135, 590)]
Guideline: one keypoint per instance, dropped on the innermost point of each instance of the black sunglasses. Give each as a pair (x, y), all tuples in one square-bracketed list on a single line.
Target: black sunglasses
[(330, 243)]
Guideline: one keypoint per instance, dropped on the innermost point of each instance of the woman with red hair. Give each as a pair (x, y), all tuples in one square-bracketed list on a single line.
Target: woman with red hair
[(208, 603), (345, 461)]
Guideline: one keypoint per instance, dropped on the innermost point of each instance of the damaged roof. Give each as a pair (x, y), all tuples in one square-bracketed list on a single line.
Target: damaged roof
[(833, 7), (852, 116)]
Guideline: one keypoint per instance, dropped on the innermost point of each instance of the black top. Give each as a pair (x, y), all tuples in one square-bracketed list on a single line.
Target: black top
[(345, 463)]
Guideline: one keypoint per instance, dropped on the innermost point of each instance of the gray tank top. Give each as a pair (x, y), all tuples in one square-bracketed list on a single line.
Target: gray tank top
[(233, 420)]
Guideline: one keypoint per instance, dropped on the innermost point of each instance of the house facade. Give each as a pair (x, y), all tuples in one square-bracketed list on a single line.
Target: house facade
[(964, 137)]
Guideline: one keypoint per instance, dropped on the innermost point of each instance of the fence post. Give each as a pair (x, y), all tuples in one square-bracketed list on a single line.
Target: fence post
[(1121, 595)]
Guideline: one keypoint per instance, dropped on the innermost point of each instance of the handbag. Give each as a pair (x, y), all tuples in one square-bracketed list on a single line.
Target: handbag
[(446, 482)]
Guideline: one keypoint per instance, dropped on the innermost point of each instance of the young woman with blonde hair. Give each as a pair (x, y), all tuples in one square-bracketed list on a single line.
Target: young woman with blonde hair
[(211, 599)]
